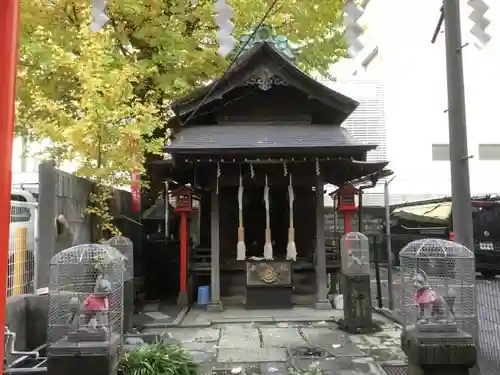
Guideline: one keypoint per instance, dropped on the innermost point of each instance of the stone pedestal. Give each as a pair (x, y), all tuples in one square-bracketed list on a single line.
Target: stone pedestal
[(83, 358), (323, 304), (128, 305), (449, 352), (182, 299), (357, 303), (216, 306)]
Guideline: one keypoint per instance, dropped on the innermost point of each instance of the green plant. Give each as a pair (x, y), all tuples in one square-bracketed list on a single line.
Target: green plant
[(158, 359), (312, 370)]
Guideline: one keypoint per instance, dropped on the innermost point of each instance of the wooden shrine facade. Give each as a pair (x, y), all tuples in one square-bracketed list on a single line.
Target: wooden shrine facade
[(262, 142)]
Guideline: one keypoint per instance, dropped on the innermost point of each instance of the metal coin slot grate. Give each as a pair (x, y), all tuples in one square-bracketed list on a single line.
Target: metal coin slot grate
[(395, 369)]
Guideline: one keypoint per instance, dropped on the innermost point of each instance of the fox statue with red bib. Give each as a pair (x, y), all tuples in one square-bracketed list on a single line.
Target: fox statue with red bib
[(433, 308)]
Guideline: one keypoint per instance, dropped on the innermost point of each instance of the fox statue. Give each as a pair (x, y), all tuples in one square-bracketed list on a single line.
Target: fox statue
[(431, 305), (355, 261), (95, 306)]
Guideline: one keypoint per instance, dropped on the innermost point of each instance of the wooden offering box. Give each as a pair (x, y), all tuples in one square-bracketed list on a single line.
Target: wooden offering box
[(269, 284)]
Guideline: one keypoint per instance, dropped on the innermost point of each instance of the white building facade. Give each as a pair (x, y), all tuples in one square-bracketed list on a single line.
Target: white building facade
[(26, 157), (411, 70)]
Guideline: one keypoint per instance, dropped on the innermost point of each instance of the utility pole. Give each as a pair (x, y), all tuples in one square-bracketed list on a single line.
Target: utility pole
[(459, 157)]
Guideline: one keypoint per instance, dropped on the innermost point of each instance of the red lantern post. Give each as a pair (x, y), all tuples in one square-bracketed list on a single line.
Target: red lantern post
[(9, 35), (184, 206), (347, 205)]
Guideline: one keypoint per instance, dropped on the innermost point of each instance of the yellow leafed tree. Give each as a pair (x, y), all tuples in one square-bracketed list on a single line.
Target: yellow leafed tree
[(98, 97)]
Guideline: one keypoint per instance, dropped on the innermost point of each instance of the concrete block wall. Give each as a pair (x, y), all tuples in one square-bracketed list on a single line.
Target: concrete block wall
[(26, 315)]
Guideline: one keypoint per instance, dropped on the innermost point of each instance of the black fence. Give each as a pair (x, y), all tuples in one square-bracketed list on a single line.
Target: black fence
[(488, 326)]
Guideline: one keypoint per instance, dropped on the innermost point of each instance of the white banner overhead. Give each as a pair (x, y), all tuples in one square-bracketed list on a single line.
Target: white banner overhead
[(99, 16)]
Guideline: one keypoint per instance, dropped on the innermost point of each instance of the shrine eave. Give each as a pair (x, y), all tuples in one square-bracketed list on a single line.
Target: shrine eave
[(272, 151), (264, 55), (264, 138), (371, 177), (335, 171), (348, 171)]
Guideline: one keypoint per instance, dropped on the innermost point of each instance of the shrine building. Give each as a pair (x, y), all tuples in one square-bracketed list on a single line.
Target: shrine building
[(262, 143)]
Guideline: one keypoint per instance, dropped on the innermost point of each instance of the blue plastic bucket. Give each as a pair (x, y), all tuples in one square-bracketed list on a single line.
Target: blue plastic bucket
[(203, 295)]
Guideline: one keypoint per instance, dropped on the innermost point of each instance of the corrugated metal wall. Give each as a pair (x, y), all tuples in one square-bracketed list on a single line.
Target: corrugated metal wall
[(367, 123)]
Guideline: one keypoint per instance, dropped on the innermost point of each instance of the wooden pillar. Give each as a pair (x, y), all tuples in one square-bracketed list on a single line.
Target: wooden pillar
[(215, 303), (322, 302)]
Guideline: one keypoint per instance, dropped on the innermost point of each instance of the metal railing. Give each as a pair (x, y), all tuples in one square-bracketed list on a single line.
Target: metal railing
[(488, 314), (22, 248)]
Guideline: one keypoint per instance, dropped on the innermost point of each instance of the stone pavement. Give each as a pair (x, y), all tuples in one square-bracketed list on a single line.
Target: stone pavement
[(157, 314), (201, 318), (283, 347)]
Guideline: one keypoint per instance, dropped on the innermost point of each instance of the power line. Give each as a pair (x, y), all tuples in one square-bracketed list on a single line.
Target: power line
[(438, 26), (242, 48)]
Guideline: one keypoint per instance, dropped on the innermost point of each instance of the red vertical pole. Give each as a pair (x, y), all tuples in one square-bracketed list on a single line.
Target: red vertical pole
[(184, 240), (347, 222), (9, 34), (136, 190)]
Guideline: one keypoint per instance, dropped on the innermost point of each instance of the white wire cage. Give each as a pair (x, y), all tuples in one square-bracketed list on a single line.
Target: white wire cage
[(126, 247), (86, 295), (437, 286), (355, 253)]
